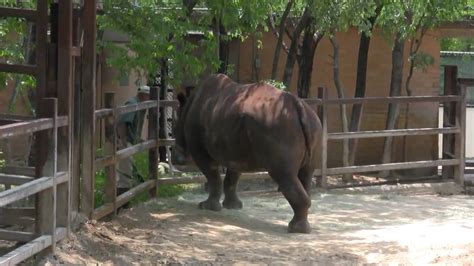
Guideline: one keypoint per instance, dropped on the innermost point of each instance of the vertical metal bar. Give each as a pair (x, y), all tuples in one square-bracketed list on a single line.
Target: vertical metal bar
[(88, 107)]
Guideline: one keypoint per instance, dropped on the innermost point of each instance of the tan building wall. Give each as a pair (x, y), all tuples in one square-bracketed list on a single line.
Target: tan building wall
[(378, 82)]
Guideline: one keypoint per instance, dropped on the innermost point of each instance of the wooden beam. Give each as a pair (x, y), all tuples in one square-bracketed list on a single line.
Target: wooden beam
[(18, 13), (16, 235), (15, 117), (110, 147), (65, 107), (18, 68), (129, 151), (103, 113), (18, 211), (25, 190), (31, 248), (27, 127), (127, 196), (88, 106), (393, 133), (468, 82), (14, 180), (390, 166), (19, 170), (153, 129), (41, 48), (460, 139), (46, 200), (135, 107), (324, 141), (397, 99)]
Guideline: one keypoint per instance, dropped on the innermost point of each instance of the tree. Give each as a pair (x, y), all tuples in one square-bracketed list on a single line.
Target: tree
[(16, 46), (405, 19), (361, 78), (338, 18), (160, 30)]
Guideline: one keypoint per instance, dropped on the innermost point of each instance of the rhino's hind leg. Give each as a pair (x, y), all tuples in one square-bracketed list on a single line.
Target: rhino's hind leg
[(214, 182), (231, 200), (299, 200)]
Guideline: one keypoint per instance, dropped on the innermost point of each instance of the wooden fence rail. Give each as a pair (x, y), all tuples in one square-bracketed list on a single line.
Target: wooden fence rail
[(112, 156), (45, 188), (455, 129)]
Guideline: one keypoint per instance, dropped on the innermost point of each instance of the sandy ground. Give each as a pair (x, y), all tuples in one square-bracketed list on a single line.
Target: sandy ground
[(415, 225)]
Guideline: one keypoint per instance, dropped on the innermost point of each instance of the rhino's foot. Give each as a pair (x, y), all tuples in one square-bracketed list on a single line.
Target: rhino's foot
[(233, 203), (212, 205), (301, 226)]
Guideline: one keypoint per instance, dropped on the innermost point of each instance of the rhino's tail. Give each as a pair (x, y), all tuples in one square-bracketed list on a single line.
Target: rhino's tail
[(307, 125)]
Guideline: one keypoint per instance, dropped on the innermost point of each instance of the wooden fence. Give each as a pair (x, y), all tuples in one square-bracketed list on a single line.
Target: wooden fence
[(112, 156), (48, 221), (453, 134)]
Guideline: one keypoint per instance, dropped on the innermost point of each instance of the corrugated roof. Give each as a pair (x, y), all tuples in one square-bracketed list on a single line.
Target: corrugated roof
[(456, 53)]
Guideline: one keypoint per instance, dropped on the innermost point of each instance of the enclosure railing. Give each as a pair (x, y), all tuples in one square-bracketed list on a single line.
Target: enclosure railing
[(112, 156), (453, 133), (455, 126), (50, 219)]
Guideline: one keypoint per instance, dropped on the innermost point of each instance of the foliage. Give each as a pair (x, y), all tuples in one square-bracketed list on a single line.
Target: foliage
[(2, 160), (277, 84), (407, 17), (141, 162), (457, 44), (160, 30), (13, 46)]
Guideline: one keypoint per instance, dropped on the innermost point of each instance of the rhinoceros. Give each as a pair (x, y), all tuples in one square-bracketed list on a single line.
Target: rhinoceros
[(249, 127)]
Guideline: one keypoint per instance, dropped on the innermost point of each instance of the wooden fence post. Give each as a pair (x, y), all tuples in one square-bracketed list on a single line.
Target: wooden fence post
[(460, 140), (46, 200), (449, 119), (88, 107), (75, 180), (65, 108), (322, 110), (153, 129), (110, 147)]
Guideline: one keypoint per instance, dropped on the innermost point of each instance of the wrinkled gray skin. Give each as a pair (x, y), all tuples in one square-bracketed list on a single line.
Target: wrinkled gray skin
[(249, 127)]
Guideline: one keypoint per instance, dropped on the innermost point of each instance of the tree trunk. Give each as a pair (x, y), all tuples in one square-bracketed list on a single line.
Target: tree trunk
[(414, 47), (362, 61), (395, 90), (281, 30), (305, 63), (293, 52), (343, 110), (223, 49)]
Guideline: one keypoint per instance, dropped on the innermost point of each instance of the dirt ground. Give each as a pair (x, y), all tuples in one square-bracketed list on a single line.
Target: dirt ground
[(404, 224)]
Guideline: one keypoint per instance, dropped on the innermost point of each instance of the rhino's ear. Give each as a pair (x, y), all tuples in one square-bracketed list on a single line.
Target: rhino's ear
[(181, 99)]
